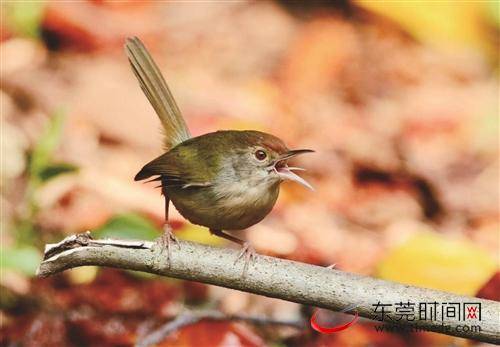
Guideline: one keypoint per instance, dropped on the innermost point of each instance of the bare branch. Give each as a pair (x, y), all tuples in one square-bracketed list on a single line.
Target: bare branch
[(278, 278), (191, 317)]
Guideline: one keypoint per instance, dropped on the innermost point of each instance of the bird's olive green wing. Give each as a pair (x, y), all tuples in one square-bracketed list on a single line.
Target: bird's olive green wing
[(183, 166), (154, 86)]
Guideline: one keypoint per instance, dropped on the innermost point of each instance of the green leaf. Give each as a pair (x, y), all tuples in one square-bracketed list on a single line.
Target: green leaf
[(24, 259), (42, 153), (24, 17), (129, 226), (56, 169), (493, 12)]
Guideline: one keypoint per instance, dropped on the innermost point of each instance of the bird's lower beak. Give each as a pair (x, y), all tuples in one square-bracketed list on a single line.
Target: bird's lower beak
[(285, 172)]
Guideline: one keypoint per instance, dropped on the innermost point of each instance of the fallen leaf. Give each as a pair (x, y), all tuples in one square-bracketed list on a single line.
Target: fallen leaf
[(434, 261)]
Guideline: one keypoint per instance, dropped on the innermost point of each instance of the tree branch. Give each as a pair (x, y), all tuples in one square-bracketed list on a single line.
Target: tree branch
[(278, 278), (191, 317)]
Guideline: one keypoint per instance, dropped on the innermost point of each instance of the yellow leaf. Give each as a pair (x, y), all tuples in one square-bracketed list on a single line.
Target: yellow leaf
[(82, 275), (196, 233), (437, 22), (433, 261)]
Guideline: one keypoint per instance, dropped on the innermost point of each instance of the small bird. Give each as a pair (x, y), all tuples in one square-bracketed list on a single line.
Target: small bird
[(225, 180)]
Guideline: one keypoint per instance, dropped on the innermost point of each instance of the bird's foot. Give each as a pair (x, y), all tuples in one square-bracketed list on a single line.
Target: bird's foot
[(166, 240), (249, 254)]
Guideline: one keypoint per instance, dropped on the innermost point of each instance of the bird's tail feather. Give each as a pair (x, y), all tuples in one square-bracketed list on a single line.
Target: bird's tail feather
[(154, 86)]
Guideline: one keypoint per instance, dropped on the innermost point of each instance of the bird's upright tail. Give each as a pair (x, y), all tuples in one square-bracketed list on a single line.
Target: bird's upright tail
[(154, 86)]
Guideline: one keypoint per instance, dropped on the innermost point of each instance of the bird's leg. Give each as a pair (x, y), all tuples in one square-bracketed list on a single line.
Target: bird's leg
[(247, 250), (167, 238)]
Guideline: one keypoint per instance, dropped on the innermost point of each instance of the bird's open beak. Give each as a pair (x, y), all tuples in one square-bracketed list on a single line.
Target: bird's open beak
[(286, 173)]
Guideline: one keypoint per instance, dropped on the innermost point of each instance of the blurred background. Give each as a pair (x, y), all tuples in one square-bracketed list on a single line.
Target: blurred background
[(399, 100)]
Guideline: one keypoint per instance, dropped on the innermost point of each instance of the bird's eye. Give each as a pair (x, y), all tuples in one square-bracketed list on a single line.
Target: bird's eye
[(260, 155)]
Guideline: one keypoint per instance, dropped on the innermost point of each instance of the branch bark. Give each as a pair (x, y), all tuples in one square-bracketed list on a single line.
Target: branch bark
[(278, 278)]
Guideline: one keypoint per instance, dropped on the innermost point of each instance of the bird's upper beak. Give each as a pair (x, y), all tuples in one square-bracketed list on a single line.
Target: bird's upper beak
[(285, 172)]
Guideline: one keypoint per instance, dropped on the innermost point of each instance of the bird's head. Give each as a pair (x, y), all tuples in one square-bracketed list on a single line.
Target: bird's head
[(263, 159)]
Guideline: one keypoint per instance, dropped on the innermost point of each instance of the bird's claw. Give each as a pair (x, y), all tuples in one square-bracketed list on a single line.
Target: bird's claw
[(248, 252), (165, 241)]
